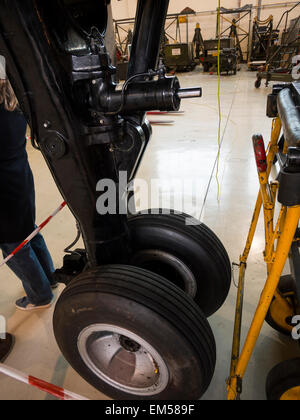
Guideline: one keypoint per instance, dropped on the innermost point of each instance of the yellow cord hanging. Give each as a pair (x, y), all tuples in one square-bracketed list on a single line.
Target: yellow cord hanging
[(219, 99)]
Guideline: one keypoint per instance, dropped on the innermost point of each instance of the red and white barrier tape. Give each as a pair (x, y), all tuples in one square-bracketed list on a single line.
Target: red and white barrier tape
[(54, 390), (34, 233)]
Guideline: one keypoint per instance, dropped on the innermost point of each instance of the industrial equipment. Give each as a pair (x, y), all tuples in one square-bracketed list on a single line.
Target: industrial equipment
[(279, 303), (229, 61), (235, 20), (179, 57), (228, 55), (281, 59), (198, 42), (123, 50), (178, 54), (264, 37), (177, 51), (133, 323)]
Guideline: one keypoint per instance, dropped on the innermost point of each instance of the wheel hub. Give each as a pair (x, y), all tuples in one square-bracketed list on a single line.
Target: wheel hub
[(129, 345), (292, 394), (123, 360), (169, 266)]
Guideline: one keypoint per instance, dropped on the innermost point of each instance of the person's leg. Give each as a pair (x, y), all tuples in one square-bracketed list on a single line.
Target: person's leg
[(27, 267), (39, 246)]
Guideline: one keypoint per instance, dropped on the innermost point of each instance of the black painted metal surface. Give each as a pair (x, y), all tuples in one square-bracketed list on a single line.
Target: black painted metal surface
[(62, 74)]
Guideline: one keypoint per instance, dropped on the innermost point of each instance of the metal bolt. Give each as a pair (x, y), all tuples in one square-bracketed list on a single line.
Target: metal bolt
[(47, 124)]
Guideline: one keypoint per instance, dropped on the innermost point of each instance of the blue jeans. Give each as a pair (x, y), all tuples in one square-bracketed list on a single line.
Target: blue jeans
[(34, 267)]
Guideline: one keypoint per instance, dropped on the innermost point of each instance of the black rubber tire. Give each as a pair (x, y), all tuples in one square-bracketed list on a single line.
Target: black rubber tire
[(283, 378), (196, 246), (258, 83), (285, 286), (206, 67), (281, 147), (149, 306)]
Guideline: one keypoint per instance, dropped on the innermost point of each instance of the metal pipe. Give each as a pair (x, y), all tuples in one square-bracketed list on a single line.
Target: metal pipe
[(215, 12), (190, 93), (146, 43), (259, 7)]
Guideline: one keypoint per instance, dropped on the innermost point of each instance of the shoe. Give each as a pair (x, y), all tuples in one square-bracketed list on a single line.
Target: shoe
[(53, 281), (24, 305), (6, 347)]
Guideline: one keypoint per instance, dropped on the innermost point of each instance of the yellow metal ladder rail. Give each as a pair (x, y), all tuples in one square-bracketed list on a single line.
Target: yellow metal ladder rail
[(284, 232)]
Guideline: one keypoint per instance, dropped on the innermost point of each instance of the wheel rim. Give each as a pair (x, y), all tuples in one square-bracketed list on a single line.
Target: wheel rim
[(150, 256), (280, 316), (292, 394), (123, 360)]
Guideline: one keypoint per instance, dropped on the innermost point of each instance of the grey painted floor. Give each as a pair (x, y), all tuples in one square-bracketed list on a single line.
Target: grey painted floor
[(187, 150)]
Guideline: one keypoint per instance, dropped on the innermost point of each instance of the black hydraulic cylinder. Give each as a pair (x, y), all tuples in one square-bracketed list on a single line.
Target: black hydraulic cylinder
[(146, 44), (164, 95)]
